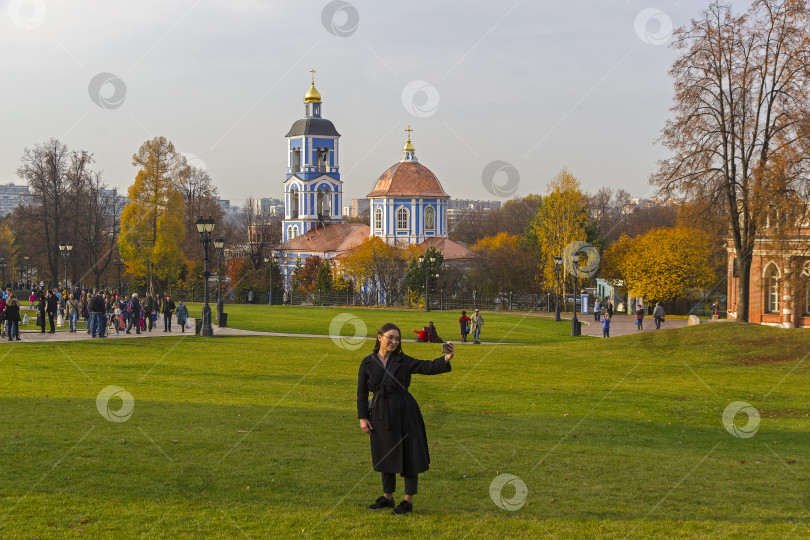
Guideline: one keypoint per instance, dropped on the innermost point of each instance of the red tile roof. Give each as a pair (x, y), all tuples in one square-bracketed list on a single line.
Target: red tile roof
[(337, 237)]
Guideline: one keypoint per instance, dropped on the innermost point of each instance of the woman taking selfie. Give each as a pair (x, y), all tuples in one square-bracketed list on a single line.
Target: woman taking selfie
[(392, 417)]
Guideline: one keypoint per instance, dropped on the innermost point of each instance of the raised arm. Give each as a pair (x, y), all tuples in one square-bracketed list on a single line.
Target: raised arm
[(429, 367)]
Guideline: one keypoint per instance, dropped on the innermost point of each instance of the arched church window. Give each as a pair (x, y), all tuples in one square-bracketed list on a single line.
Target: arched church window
[(378, 219), (294, 205), (296, 160), (402, 219), (771, 282), (295, 231), (289, 233), (430, 218), (324, 202), (323, 159)]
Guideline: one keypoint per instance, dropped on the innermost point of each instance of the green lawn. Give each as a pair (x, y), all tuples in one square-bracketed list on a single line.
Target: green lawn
[(503, 327), (258, 437)]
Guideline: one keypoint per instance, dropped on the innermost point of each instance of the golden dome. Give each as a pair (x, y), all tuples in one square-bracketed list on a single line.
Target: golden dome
[(313, 96), (408, 146)]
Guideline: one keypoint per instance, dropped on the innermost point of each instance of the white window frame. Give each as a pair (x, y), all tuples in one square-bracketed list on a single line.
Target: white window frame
[(772, 289), (403, 211), (378, 218)]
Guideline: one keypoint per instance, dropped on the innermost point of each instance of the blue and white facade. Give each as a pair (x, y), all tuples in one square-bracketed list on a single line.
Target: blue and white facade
[(408, 205), (313, 191), (405, 221)]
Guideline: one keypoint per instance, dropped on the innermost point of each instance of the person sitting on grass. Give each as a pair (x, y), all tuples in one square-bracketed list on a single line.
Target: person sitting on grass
[(422, 335), (433, 336)]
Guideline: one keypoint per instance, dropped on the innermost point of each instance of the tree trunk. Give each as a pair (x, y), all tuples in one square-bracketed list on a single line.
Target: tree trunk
[(743, 284)]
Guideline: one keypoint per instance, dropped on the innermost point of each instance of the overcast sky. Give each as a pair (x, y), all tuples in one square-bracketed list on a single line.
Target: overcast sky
[(534, 85)]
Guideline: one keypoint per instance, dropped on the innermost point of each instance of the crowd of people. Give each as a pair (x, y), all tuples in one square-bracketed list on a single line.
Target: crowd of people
[(105, 312)]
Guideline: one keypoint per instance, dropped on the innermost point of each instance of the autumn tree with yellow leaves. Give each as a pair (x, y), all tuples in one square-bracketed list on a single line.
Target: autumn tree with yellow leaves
[(376, 264), (152, 229), (664, 264), (560, 220)]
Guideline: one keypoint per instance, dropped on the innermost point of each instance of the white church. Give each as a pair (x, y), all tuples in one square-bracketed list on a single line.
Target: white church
[(408, 203)]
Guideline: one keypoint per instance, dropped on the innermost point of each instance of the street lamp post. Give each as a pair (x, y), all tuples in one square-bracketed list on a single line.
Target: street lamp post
[(27, 277), (119, 263), (219, 245), (575, 328), (557, 264), (267, 261), (3, 268), (423, 261), (64, 250), (205, 227)]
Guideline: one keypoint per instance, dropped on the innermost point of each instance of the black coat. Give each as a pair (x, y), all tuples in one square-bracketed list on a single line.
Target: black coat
[(398, 440)]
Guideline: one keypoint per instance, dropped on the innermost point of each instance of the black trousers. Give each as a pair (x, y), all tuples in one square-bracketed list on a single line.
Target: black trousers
[(149, 324), (167, 322), (389, 482), (50, 319)]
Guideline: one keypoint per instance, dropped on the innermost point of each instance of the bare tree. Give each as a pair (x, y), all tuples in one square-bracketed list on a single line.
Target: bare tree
[(258, 233), (202, 199), (741, 97), (45, 167), (98, 226)]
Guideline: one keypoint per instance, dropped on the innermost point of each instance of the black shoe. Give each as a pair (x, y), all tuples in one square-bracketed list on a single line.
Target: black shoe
[(403, 508), (18, 339), (382, 502)]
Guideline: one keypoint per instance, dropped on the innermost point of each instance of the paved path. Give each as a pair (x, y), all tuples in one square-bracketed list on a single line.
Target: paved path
[(622, 325), (32, 336)]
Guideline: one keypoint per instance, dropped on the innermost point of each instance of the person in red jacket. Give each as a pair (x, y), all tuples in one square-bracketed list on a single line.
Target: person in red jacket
[(464, 325), (422, 335)]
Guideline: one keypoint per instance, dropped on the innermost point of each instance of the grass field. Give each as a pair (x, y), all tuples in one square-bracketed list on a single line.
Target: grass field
[(257, 436)]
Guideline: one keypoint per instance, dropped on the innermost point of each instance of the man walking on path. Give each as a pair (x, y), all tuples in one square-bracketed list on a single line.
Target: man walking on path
[(98, 315), (597, 308), (476, 322), (50, 308), (134, 310), (168, 309), (605, 326), (658, 315), (148, 309)]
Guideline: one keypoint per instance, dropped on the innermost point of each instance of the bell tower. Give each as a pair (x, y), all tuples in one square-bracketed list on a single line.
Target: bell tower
[(313, 191)]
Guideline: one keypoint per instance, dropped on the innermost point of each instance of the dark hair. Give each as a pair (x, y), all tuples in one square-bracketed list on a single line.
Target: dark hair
[(383, 329)]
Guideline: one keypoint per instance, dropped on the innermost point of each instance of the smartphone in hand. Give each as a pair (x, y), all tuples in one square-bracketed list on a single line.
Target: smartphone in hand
[(445, 348)]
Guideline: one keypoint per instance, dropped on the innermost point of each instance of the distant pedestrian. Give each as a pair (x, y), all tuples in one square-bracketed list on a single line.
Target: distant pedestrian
[(148, 309), (597, 308), (182, 314), (72, 308), (464, 326), (41, 310), (609, 309), (476, 322), (605, 326), (134, 311), (51, 307), (640, 318), (658, 315), (12, 315), (168, 309)]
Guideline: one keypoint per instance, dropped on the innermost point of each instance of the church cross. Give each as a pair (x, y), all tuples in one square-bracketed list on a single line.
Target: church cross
[(313, 77)]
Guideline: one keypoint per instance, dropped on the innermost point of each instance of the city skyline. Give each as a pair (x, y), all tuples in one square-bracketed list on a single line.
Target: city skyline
[(500, 97)]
